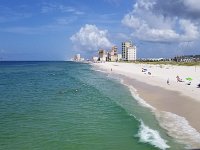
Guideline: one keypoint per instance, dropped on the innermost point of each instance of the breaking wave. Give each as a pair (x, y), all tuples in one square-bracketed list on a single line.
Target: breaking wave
[(148, 135)]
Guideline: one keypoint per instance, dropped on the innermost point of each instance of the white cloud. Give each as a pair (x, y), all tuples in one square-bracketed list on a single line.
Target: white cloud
[(132, 21), (149, 26), (191, 32), (144, 4), (188, 9), (51, 7), (90, 38), (66, 20), (192, 5), (9, 15)]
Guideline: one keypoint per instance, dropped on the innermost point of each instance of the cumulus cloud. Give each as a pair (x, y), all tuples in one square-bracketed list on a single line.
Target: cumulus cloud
[(148, 25), (90, 38), (193, 5), (189, 9)]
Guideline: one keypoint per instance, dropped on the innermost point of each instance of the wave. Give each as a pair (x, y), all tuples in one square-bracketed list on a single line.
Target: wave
[(145, 133), (179, 128), (98, 70), (148, 135), (139, 99), (176, 126)]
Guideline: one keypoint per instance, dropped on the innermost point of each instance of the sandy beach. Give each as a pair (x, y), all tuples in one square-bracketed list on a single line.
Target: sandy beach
[(176, 104)]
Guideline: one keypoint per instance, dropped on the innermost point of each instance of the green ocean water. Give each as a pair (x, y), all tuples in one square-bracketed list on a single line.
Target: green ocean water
[(70, 106)]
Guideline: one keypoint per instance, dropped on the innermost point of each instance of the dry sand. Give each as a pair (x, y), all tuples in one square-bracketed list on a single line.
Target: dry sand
[(169, 101), (159, 76)]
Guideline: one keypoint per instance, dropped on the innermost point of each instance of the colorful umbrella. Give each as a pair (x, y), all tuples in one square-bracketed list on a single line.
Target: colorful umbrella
[(189, 78)]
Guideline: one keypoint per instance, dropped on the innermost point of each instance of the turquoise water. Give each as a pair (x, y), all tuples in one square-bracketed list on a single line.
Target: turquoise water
[(70, 106)]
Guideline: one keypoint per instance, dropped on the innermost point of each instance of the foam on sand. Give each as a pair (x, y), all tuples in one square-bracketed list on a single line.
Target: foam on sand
[(139, 99), (179, 128), (176, 126), (148, 135)]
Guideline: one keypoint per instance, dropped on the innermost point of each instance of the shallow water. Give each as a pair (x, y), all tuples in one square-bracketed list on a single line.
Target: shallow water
[(66, 105)]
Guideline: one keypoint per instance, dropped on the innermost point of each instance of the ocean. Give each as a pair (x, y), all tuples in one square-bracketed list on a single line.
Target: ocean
[(73, 106)]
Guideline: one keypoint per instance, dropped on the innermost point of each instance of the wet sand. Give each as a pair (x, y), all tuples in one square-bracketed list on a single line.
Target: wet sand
[(176, 106), (169, 101)]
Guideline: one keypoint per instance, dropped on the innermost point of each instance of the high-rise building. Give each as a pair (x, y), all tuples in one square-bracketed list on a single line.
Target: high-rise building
[(77, 57), (128, 51), (119, 57), (102, 55), (94, 59), (112, 55)]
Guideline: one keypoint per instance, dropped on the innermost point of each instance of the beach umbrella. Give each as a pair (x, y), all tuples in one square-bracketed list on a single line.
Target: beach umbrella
[(189, 78)]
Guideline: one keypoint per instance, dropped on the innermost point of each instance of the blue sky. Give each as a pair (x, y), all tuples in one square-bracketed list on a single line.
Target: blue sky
[(58, 29)]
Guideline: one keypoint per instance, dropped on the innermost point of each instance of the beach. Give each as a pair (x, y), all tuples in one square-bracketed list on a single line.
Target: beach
[(176, 104)]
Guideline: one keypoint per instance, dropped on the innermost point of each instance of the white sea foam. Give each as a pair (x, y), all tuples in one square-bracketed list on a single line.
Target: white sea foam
[(139, 100), (136, 96), (99, 70), (179, 128), (148, 135)]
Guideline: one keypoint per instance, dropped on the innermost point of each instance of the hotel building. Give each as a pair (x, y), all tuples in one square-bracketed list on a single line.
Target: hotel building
[(112, 55), (77, 57), (128, 51), (102, 55)]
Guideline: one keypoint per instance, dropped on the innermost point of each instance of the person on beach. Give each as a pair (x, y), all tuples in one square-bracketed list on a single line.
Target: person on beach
[(168, 81), (111, 69), (179, 79)]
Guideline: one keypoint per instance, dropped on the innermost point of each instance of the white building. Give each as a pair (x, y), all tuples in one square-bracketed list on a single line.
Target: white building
[(102, 55), (112, 54), (119, 57), (77, 57), (128, 51), (94, 59)]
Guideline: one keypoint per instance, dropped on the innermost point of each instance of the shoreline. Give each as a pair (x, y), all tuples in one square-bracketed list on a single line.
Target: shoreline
[(168, 100), (183, 126)]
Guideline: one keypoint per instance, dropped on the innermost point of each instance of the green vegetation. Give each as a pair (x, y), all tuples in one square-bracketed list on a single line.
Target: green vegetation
[(167, 63)]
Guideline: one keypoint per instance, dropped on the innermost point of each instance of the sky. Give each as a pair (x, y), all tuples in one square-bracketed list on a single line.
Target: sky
[(59, 29)]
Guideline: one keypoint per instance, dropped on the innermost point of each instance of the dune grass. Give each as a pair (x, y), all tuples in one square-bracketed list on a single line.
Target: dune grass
[(166, 63)]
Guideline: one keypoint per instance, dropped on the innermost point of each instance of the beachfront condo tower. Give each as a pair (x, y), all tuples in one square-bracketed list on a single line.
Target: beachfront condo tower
[(102, 55), (128, 51), (112, 54)]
